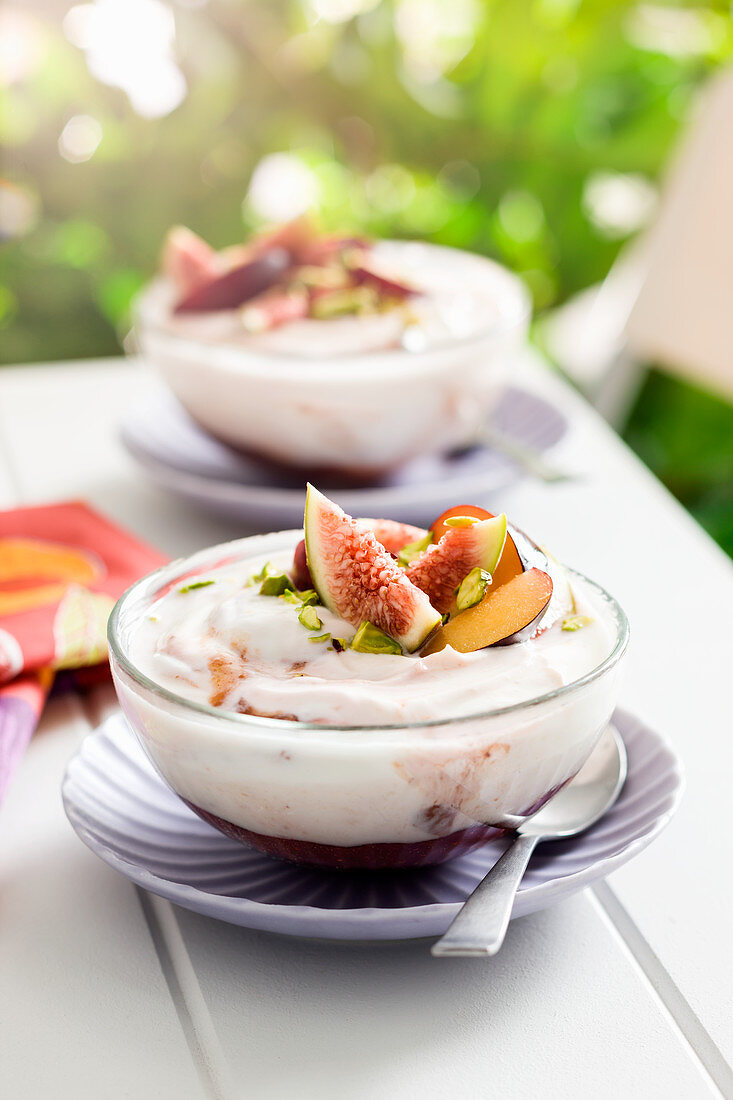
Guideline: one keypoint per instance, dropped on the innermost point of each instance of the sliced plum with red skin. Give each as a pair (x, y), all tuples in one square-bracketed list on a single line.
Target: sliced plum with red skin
[(300, 572), (510, 613), (238, 285)]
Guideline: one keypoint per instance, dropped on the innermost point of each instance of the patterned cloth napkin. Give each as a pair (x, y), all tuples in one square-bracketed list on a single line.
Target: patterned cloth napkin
[(62, 566)]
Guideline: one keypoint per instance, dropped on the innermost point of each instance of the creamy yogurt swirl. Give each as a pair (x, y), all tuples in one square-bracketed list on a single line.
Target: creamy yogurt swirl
[(216, 640)]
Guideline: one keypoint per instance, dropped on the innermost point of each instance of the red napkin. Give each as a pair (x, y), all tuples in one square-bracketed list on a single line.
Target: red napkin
[(62, 567)]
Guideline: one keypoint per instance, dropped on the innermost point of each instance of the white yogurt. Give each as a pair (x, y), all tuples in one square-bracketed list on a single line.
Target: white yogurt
[(227, 645)]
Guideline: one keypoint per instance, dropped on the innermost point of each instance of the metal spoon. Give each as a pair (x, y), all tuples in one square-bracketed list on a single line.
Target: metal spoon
[(481, 924)]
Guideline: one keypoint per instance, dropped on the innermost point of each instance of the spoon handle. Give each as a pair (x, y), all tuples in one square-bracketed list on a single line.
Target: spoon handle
[(481, 923)]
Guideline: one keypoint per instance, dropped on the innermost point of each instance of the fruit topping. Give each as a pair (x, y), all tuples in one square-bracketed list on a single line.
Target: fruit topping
[(320, 638), (275, 307), (413, 550), (359, 580), (300, 571), (394, 537), (237, 285), (439, 527), (441, 568), (471, 589), (509, 613), (188, 260), (283, 275), (370, 639)]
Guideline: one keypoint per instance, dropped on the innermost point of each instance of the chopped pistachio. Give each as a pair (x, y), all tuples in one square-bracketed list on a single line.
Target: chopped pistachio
[(275, 584), (290, 597), (414, 549), (152, 618), (319, 638), (339, 302), (370, 639), (340, 644), (331, 277), (309, 618), (195, 584), (309, 595), (460, 521), (576, 622), (257, 577), (471, 589)]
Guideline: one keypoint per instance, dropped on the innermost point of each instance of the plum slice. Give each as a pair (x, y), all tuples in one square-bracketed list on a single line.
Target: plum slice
[(509, 613), (359, 580), (238, 285)]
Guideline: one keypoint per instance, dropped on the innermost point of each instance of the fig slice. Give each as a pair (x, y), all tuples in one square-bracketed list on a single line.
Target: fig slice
[(440, 569), (393, 535), (357, 579), (188, 260), (510, 613), (235, 287)]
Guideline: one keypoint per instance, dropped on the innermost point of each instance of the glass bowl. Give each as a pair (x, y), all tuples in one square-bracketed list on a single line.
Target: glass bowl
[(367, 796), (358, 413)]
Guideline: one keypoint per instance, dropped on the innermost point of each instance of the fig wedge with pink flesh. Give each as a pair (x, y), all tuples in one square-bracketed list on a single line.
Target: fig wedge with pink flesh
[(357, 579), (441, 568), (188, 260)]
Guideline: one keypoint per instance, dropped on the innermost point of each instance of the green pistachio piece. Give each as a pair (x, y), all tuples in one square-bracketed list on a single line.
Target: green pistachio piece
[(330, 277), (257, 577), (370, 639), (460, 521), (309, 618), (275, 584), (356, 299), (308, 596), (290, 597), (471, 589), (340, 644), (194, 585), (319, 638), (414, 549), (576, 622)]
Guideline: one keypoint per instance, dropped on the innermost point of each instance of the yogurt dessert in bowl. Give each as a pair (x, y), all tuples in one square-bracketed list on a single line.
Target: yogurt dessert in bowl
[(333, 704), (330, 353)]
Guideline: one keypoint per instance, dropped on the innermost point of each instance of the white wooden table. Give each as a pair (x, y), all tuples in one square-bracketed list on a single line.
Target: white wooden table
[(622, 991)]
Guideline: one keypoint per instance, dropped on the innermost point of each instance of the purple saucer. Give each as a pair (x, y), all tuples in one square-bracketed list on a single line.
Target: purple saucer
[(126, 814), (181, 457)]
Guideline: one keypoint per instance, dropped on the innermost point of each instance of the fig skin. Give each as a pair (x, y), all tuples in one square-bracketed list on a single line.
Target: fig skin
[(238, 285)]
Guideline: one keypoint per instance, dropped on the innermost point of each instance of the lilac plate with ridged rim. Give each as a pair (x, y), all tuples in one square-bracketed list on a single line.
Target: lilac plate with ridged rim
[(127, 815), (180, 456)]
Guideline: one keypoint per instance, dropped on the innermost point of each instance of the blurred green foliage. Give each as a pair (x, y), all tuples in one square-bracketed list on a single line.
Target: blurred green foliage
[(486, 124)]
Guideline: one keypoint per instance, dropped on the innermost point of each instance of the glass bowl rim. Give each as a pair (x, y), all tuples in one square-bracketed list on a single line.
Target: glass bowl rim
[(167, 575), (518, 315)]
